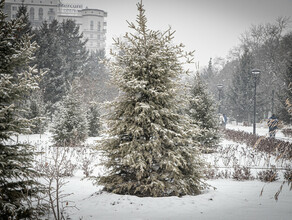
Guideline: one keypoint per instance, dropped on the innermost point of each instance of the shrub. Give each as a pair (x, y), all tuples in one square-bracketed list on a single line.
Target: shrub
[(70, 127), (287, 132), (242, 173), (288, 175), (270, 175)]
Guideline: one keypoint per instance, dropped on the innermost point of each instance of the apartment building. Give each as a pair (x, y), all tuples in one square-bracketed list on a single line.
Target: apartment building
[(91, 22)]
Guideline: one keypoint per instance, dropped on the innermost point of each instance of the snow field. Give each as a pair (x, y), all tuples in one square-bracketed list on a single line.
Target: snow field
[(231, 200)]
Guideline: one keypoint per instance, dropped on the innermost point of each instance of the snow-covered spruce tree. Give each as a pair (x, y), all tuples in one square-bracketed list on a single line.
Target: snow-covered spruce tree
[(49, 57), (149, 150), (36, 112), (93, 119), (289, 101), (34, 103), (70, 125), (62, 53), (23, 14), (18, 184), (203, 113)]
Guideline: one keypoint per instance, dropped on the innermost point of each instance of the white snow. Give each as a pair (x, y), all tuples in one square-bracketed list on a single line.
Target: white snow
[(231, 199)]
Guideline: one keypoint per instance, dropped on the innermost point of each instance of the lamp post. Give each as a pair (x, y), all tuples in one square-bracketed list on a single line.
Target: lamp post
[(273, 94), (255, 72), (220, 87)]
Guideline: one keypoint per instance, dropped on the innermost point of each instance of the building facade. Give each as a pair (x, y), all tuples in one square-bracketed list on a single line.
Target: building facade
[(91, 22)]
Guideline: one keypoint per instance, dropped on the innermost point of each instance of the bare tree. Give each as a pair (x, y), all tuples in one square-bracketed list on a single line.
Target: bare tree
[(55, 169)]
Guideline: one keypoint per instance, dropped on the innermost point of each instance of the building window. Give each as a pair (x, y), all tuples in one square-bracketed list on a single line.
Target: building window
[(14, 8), (91, 25), (91, 35), (41, 14), (98, 27), (31, 13)]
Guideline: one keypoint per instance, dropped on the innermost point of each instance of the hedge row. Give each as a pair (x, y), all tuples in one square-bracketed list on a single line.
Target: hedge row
[(272, 146), (287, 132)]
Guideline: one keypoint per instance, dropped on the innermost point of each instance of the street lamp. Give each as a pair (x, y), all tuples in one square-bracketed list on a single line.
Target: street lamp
[(273, 94), (255, 72), (220, 87)]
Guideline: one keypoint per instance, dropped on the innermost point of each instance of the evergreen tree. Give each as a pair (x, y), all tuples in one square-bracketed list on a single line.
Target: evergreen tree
[(63, 54), (203, 113), (49, 58), (70, 127), (36, 112), (18, 185), (23, 15), (149, 152), (289, 101), (95, 65), (33, 101), (93, 118), (73, 51), (284, 92), (242, 89), (208, 73)]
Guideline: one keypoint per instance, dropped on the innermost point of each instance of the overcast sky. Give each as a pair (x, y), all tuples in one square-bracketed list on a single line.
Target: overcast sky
[(210, 27)]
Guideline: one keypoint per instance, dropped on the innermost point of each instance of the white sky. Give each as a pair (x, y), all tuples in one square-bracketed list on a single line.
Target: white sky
[(210, 27)]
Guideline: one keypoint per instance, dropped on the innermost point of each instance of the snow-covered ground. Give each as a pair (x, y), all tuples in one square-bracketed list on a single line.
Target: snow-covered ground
[(231, 200)]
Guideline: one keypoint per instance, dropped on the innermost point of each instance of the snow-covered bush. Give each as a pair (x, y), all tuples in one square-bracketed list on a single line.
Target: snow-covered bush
[(242, 173), (213, 173), (70, 126), (93, 118), (287, 132), (288, 175), (87, 167), (36, 113), (55, 167), (269, 145), (269, 175)]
